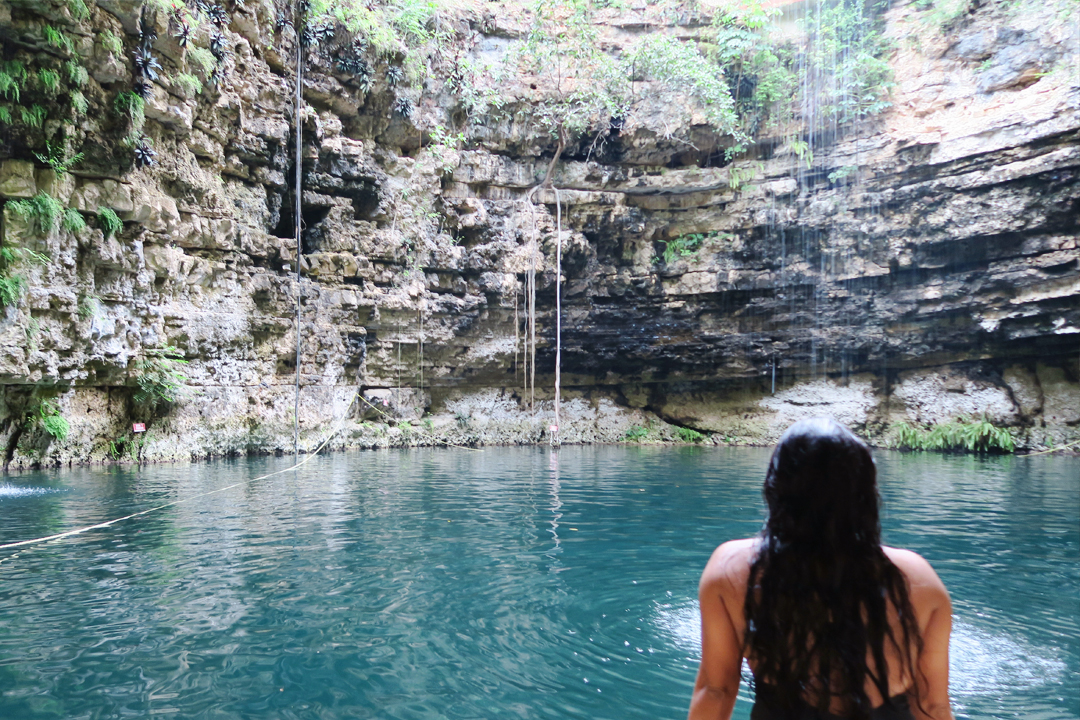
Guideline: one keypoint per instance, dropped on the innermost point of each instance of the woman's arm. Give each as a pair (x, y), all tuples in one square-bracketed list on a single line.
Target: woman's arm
[(933, 671), (721, 603), (933, 610)]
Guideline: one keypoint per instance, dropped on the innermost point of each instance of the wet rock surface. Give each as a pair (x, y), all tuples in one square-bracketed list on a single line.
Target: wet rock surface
[(924, 266)]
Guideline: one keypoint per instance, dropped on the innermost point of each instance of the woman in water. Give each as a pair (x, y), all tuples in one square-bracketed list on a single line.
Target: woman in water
[(832, 623)]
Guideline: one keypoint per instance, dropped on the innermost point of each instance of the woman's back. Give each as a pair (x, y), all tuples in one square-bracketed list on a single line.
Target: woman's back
[(725, 579), (830, 621)]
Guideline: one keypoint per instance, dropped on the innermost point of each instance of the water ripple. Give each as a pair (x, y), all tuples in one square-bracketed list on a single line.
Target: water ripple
[(981, 661), (14, 491)]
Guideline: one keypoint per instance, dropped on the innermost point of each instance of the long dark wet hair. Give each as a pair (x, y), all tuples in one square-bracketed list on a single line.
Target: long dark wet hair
[(820, 587)]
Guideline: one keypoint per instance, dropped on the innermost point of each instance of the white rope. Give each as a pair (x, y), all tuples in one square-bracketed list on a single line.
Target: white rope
[(98, 526), (1052, 450)]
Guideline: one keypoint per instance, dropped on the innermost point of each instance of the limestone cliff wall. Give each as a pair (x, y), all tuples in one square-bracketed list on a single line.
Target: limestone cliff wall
[(922, 266)]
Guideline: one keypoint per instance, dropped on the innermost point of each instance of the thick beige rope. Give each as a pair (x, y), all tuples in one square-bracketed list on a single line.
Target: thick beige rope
[(1052, 450), (79, 531)]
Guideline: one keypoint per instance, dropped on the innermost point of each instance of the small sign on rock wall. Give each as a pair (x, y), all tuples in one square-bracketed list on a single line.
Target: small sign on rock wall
[(138, 427)]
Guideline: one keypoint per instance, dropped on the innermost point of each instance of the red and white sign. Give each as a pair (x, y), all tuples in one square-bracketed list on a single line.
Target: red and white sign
[(553, 428), (138, 427)]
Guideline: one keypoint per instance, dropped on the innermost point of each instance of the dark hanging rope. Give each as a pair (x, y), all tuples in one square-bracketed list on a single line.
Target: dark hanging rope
[(555, 440), (299, 167)]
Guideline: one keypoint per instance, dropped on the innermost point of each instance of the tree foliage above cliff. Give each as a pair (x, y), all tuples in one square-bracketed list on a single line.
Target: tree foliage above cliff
[(832, 71), (388, 27), (578, 85), (581, 85), (570, 72), (562, 77)]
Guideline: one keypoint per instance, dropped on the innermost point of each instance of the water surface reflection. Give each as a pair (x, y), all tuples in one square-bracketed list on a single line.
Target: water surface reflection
[(509, 583)]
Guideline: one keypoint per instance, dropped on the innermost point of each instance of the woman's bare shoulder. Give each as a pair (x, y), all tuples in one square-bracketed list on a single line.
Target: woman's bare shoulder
[(730, 563), (924, 582)]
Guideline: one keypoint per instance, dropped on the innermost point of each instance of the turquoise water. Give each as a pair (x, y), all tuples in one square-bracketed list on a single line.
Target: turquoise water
[(496, 584)]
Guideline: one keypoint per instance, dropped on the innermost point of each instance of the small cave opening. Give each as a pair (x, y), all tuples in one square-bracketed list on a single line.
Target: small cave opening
[(365, 200), (605, 146), (284, 204), (717, 157), (312, 232), (286, 225)]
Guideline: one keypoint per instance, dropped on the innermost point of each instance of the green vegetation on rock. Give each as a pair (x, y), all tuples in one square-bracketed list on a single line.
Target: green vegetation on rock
[(188, 84), (73, 221), (40, 86), (130, 105), (88, 306), (159, 378), (109, 222), (33, 116), (13, 76), (689, 435), (443, 148), (579, 86), (56, 157), (49, 80), (79, 102), (687, 245), (76, 73), (386, 27), (111, 42), (78, 8), (12, 285), (956, 436), (841, 73), (942, 13), (57, 39), (43, 211), (679, 64), (46, 414), (581, 90), (201, 61)]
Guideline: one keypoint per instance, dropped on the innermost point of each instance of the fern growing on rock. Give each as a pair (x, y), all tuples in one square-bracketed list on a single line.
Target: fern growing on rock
[(132, 106), (73, 221), (159, 378), (47, 415), (33, 116), (57, 39), (188, 84), (43, 211), (56, 157), (109, 222), (960, 435), (12, 285), (49, 80)]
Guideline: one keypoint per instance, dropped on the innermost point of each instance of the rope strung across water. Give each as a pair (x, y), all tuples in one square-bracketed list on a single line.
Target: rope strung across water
[(98, 526), (1053, 450)]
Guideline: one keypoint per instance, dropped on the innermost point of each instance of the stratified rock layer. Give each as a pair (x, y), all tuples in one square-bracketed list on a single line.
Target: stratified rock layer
[(924, 266)]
